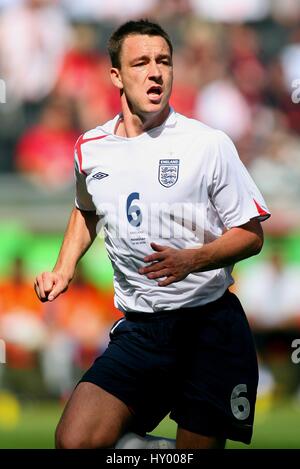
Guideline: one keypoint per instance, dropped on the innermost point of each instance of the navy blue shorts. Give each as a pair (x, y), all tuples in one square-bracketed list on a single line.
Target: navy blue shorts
[(198, 364)]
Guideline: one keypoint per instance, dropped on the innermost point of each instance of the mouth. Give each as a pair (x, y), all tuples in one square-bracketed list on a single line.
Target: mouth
[(154, 93)]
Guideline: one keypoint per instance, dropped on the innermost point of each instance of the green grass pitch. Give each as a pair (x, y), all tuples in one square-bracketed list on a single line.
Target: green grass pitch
[(278, 427)]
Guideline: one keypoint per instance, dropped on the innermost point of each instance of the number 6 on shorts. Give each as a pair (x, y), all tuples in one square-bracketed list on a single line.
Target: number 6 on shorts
[(240, 406)]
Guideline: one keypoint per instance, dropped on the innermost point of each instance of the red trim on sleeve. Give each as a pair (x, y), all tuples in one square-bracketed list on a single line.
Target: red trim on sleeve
[(79, 154), (78, 144), (260, 210)]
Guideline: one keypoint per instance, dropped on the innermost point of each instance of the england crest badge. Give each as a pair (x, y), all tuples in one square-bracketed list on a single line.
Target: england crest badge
[(168, 172)]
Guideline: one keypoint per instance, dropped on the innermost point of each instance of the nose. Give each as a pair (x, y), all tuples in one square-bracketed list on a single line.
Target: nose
[(154, 70)]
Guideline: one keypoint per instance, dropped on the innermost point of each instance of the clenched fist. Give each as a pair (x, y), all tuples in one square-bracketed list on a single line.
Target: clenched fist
[(49, 285)]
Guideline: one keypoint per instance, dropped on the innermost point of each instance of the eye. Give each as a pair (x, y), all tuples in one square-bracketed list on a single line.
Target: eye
[(165, 62)]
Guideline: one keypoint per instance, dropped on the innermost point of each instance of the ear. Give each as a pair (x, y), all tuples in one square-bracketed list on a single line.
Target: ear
[(116, 78)]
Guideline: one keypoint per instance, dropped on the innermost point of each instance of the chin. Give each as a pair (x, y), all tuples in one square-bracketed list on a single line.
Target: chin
[(156, 107)]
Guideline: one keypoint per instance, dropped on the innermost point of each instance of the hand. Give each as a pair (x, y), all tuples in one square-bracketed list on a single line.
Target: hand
[(49, 285), (175, 264)]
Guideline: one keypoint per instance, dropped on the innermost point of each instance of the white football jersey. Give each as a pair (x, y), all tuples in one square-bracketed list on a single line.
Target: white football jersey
[(181, 184)]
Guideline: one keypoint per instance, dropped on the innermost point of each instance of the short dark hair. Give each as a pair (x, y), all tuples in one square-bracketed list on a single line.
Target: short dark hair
[(132, 28)]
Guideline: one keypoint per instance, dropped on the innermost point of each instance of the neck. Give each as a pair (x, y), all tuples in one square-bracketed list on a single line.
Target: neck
[(133, 124)]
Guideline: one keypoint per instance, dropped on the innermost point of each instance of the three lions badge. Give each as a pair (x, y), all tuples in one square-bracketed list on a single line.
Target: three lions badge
[(168, 172)]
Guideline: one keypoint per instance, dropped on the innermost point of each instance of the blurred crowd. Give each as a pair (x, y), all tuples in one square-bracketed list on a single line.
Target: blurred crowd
[(237, 68), (49, 345)]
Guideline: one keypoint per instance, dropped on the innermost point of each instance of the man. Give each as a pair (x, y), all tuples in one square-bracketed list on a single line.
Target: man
[(178, 210)]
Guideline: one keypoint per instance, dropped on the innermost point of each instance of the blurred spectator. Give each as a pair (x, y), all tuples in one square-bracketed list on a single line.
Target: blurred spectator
[(244, 63), (184, 92), (84, 313), (16, 291), (57, 360), (12, 124), (214, 107), (7, 3), (287, 12), (234, 11), (44, 153), (84, 77), (33, 38), (288, 70), (171, 10), (21, 318), (279, 160), (203, 53), (78, 324), (51, 342), (270, 294), (113, 10), (290, 60)]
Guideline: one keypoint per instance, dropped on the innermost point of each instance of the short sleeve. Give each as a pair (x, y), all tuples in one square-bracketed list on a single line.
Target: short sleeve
[(83, 199), (232, 191)]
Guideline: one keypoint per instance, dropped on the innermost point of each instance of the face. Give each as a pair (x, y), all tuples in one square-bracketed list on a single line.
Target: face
[(146, 73)]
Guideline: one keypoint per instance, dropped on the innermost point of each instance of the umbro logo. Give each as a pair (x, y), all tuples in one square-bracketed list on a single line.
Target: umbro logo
[(100, 175)]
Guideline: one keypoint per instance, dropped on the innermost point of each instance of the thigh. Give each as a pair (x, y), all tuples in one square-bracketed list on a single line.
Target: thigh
[(219, 375), (138, 368), (92, 418)]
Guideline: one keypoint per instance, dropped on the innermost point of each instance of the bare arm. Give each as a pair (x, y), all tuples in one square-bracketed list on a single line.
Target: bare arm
[(79, 235), (175, 264)]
